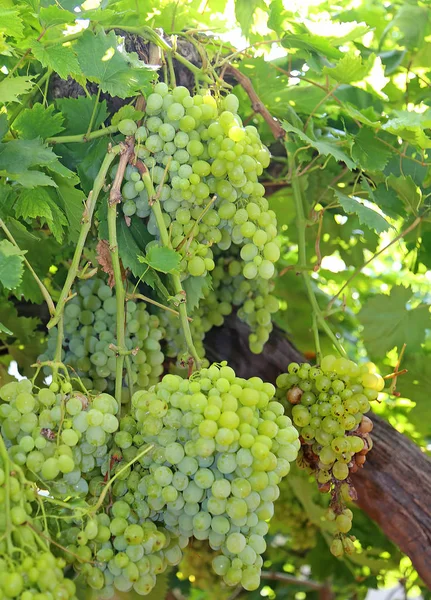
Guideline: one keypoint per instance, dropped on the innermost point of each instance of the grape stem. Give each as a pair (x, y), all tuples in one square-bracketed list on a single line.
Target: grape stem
[(154, 201), (44, 291), (301, 222), (87, 218), (158, 304), (107, 486), (127, 149), (83, 137)]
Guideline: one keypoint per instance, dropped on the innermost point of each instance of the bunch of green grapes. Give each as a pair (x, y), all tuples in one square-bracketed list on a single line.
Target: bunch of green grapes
[(329, 403), (57, 438), (115, 550), (29, 570), (196, 567), (221, 447), (205, 166), (230, 289), (90, 333)]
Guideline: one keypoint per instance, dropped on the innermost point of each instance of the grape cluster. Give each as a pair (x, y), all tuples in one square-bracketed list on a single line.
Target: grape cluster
[(230, 290), (118, 550), (90, 332), (206, 165), (328, 406), (222, 445), (30, 571), (56, 438)]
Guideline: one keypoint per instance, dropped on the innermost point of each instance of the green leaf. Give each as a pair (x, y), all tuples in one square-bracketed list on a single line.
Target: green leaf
[(11, 265), (323, 147), (54, 15), (10, 22), (367, 216), (385, 198), (127, 112), (38, 204), (101, 62), (194, 288), (60, 59), (244, 12), (388, 323), (12, 88), (4, 126), (350, 68), (416, 385), (4, 329), (71, 201), (163, 259), (408, 191), (369, 152), (410, 125), (129, 250), (315, 44), (412, 21), (77, 113), (17, 157), (38, 121)]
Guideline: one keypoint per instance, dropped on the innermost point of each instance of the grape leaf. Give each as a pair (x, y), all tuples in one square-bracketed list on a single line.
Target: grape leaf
[(11, 265), (12, 87), (310, 42), (369, 152), (129, 250), (244, 12), (194, 288), (77, 113), (60, 59), (388, 323), (410, 125), (10, 22), (416, 385), (127, 112), (350, 68), (408, 191), (412, 21), (4, 126), (38, 204), (4, 329), (54, 15), (39, 121), (367, 216), (163, 259), (103, 63), (71, 201), (323, 147), (18, 156), (385, 198)]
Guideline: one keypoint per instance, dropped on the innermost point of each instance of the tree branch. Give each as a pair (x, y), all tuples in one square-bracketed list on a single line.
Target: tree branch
[(256, 103)]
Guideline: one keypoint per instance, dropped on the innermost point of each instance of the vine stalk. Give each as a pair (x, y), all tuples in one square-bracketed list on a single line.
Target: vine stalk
[(120, 295), (176, 281), (318, 318), (85, 228)]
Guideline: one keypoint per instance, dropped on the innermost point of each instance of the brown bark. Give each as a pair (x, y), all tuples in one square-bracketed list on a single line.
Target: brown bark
[(394, 487)]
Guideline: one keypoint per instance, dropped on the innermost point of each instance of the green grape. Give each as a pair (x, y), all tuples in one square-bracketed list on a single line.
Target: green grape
[(127, 127)]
